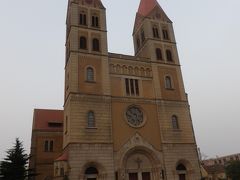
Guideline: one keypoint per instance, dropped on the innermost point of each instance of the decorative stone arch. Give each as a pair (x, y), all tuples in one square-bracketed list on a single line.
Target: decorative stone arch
[(130, 70), (136, 71), (124, 69), (112, 68), (140, 150), (142, 71), (148, 72), (136, 148), (101, 171), (119, 69)]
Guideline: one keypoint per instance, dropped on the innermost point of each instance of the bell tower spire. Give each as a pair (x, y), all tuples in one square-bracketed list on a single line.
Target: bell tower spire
[(152, 26), (146, 6)]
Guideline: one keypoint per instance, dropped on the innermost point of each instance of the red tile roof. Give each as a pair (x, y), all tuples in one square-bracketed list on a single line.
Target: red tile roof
[(215, 169), (63, 157), (146, 6), (43, 119)]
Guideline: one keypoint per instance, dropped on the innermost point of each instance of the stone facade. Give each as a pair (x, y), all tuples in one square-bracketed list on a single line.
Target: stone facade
[(125, 117), (150, 82)]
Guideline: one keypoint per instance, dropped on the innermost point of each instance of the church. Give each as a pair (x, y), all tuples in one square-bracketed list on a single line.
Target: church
[(125, 117)]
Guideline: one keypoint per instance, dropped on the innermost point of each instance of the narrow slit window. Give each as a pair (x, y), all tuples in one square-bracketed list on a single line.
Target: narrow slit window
[(136, 87), (159, 54), (91, 119), (165, 34), (83, 19), (168, 82), (175, 124), (127, 86), (155, 32), (169, 55), (95, 45), (132, 87), (83, 42), (95, 21)]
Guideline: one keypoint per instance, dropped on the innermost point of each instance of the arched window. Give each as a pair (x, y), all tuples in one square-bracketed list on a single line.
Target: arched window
[(159, 54), (95, 21), (90, 74), (175, 124), (83, 42), (168, 82), (155, 32), (181, 170), (91, 173), (83, 19), (169, 55), (165, 34), (95, 45), (91, 119)]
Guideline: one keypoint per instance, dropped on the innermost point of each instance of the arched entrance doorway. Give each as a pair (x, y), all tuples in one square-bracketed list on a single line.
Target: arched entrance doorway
[(138, 167), (182, 171), (91, 173), (141, 164)]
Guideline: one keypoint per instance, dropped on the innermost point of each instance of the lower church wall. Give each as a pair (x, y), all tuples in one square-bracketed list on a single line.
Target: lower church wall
[(82, 156), (186, 154)]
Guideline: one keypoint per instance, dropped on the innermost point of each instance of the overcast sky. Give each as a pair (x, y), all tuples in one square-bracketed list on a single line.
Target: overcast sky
[(32, 38)]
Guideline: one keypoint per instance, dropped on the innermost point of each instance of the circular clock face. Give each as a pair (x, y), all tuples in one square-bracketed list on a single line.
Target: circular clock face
[(134, 116)]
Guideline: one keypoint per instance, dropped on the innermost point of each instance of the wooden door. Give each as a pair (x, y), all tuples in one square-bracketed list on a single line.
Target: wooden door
[(133, 176), (146, 176), (182, 177)]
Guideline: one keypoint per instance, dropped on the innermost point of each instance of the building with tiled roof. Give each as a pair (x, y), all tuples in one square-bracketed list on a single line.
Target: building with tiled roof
[(215, 167), (221, 160), (46, 143), (215, 172)]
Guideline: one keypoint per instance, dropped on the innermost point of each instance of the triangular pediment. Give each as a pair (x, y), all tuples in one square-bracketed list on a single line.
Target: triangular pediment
[(137, 141)]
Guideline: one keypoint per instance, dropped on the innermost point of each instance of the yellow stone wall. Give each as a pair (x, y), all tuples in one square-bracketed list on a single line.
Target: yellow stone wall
[(107, 144), (121, 129)]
